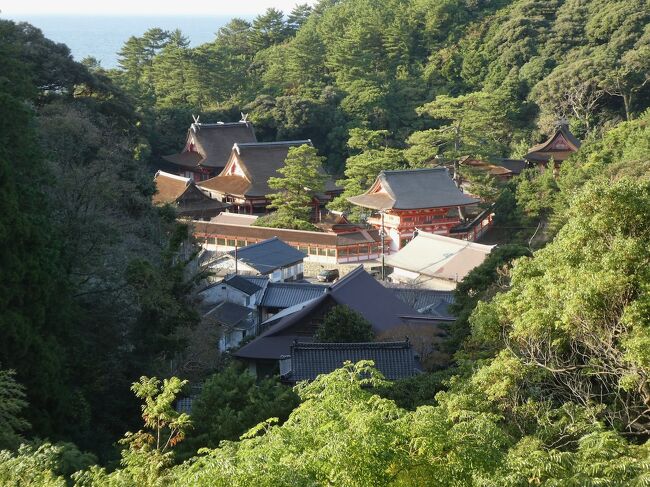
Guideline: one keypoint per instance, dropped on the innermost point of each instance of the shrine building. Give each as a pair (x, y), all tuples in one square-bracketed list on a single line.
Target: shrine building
[(208, 148), (244, 181), (557, 147), (426, 199)]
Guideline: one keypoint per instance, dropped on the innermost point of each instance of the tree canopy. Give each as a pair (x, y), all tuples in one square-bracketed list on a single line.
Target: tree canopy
[(342, 324)]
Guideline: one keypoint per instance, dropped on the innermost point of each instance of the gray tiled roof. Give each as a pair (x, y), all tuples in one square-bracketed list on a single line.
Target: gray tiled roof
[(415, 189), (357, 289), (395, 360), (229, 314), (426, 301), (269, 255), (287, 294), (246, 286)]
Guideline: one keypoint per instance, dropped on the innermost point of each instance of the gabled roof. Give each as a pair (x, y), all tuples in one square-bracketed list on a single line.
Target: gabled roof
[(244, 285), (258, 161), (191, 200), (395, 360), (169, 187), (269, 255), (229, 314), (558, 146), (357, 289), (413, 189), (288, 294), (210, 144), (439, 256)]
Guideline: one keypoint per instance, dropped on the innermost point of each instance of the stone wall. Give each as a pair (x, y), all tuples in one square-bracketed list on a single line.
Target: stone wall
[(313, 268)]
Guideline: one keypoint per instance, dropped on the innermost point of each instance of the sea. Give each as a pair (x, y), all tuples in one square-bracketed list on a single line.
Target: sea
[(103, 36)]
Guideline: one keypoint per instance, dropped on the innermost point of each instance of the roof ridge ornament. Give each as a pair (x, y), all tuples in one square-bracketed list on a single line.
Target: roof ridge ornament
[(244, 117)]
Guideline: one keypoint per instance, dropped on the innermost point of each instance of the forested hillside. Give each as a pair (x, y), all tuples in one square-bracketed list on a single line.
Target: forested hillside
[(501, 73), (89, 294), (550, 378)]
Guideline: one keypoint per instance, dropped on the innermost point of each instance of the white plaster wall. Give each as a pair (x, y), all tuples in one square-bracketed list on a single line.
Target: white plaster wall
[(222, 292)]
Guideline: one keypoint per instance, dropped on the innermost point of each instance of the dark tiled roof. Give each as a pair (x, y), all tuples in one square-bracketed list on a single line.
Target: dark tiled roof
[(244, 285), (357, 289), (395, 360), (269, 255), (414, 189), (287, 294), (426, 301), (229, 314)]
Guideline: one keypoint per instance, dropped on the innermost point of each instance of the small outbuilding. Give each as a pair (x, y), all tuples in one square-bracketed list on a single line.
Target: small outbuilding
[(272, 257), (435, 261)]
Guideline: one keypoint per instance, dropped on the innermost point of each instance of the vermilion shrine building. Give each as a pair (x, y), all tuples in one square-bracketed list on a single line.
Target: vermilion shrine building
[(557, 147), (426, 199)]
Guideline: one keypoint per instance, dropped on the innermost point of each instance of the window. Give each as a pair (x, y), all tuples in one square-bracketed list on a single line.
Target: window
[(343, 252), (241, 243), (363, 249), (303, 249), (331, 253), (313, 251), (321, 252), (221, 241), (230, 243)]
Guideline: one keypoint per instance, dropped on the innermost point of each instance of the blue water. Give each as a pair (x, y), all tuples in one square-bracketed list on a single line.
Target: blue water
[(103, 36)]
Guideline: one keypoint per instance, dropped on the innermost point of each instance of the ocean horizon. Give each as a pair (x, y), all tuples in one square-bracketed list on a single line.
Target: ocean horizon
[(102, 36)]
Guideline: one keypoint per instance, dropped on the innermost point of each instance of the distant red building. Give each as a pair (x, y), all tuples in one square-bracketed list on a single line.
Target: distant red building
[(426, 199), (557, 148)]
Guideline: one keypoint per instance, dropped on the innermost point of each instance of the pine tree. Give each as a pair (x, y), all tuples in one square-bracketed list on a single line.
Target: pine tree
[(302, 177)]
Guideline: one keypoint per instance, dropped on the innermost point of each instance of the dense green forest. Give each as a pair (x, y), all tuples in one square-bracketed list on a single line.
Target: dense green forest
[(550, 378)]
